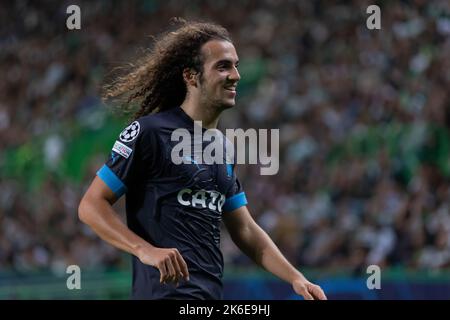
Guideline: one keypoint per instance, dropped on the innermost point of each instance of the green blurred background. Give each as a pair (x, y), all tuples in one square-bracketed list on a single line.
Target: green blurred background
[(364, 119)]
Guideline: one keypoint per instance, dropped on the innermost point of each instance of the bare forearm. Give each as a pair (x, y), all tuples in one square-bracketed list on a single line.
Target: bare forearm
[(96, 211), (102, 218), (255, 242)]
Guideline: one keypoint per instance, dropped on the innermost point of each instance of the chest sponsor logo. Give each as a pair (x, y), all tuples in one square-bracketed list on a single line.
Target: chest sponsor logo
[(213, 200)]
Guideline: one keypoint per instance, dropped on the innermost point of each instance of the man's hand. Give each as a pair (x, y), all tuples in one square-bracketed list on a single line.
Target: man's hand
[(169, 262), (308, 290)]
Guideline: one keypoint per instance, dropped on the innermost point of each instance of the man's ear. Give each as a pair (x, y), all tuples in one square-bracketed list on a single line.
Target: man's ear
[(190, 77)]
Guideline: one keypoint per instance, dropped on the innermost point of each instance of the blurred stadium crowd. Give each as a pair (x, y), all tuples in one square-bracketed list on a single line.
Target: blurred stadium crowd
[(364, 120)]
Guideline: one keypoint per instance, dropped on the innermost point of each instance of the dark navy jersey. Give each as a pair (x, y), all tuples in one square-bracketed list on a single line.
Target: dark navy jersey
[(172, 205)]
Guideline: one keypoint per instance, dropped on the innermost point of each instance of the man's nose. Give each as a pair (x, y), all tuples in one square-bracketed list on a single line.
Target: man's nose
[(234, 75)]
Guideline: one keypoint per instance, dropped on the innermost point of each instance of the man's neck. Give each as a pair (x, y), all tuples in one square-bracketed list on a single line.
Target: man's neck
[(207, 115)]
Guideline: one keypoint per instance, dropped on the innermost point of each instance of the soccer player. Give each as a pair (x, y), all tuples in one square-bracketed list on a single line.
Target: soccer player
[(174, 211)]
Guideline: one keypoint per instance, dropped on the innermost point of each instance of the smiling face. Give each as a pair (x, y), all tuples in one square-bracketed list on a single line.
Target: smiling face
[(217, 86)]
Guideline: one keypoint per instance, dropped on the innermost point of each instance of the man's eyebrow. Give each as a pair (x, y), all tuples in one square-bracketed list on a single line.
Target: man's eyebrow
[(226, 61)]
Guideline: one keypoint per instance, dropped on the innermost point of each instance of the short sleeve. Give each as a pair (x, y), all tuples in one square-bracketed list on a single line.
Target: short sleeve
[(132, 158), (235, 197)]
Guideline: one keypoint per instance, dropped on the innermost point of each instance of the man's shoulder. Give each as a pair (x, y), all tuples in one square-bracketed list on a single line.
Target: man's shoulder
[(156, 121)]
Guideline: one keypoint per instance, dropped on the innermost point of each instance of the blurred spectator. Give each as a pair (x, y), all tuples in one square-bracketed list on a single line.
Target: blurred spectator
[(364, 121)]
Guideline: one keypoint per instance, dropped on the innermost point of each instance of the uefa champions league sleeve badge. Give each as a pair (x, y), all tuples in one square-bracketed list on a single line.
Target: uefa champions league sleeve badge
[(131, 132)]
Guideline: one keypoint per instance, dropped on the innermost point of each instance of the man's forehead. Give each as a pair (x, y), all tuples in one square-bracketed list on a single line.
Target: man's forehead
[(219, 50)]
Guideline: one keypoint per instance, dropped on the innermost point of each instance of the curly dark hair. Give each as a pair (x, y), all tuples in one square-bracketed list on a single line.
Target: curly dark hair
[(156, 83)]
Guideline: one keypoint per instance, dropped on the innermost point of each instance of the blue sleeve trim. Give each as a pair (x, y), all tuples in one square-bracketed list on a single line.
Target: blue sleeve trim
[(234, 202), (229, 170), (112, 181)]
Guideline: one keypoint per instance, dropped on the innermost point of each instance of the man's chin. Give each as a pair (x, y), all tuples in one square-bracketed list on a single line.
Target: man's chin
[(228, 104)]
